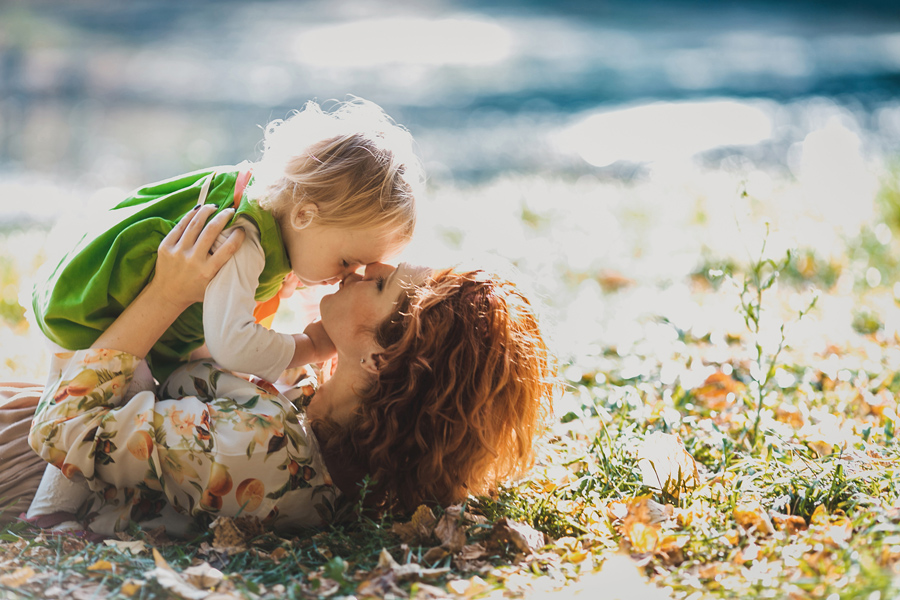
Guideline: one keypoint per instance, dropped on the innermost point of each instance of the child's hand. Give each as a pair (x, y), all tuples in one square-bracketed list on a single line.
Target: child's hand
[(186, 262), (324, 347), (289, 286)]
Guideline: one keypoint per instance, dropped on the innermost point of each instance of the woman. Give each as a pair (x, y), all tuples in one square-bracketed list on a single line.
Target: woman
[(440, 386)]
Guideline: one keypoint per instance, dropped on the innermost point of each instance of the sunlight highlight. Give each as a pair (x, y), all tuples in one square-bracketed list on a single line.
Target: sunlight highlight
[(665, 131), (404, 40)]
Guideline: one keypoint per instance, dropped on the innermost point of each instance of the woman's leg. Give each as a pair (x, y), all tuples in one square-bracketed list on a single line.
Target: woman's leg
[(60, 496), (21, 468)]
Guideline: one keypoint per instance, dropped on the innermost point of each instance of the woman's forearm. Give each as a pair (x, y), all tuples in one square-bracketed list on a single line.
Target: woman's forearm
[(142, 322), (185, 264)]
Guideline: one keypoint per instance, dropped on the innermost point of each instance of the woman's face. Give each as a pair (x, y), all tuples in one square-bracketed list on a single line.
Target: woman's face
[(351, 314)]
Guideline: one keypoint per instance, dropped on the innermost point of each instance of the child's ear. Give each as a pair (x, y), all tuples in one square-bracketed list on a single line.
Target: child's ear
[(303, 215)]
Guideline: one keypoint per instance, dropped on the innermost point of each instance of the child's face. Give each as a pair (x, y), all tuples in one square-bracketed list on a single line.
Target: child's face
[(325, 255)]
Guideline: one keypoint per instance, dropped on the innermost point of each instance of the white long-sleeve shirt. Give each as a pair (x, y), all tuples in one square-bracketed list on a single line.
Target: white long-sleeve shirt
[(234, 338)]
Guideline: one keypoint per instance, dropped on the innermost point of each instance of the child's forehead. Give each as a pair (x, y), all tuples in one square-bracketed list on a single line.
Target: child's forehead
[(366, 246)]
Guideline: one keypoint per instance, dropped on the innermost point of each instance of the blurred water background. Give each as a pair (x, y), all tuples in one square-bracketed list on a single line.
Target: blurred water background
[(613, 150)]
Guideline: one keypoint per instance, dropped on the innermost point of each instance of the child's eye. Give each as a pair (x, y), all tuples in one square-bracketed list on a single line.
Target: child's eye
[(345, 264), (379, 283)]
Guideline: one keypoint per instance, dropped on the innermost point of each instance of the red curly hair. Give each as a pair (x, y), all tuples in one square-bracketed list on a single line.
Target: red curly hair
[(463, 388)]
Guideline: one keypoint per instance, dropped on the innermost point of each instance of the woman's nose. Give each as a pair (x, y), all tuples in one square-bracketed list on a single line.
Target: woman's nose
[(351, 278), (375, 269)]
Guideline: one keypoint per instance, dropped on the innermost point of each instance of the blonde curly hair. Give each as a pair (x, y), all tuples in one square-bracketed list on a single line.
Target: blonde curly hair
[(354, 163)]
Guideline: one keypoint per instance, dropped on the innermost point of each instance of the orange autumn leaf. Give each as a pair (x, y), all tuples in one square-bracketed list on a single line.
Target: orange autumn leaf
[(789, 524), (719, 391), (130, 588), (643, 538), (750, 514), (836, 529), (101, 565)]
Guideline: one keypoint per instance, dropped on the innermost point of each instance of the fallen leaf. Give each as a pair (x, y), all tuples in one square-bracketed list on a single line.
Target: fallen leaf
[(434, 555), (666, 465), (203, 576), (788, 524), (176, 584), (643, 537), (523, 537), (18, 577), (419, 529), (751, 516), (468, 587), (472, 552), (790, 414), (278, 554), (130, 587), (135, 547), (836, 529), (227, 536), (719, 391), (618, 579), (450, 533), (101, 565), (160, 561)]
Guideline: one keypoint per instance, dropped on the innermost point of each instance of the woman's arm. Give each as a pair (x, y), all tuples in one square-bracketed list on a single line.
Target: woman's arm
[(184, 267), (81, 420)]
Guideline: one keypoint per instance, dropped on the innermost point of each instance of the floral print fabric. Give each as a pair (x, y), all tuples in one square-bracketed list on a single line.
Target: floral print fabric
[(209, 443)]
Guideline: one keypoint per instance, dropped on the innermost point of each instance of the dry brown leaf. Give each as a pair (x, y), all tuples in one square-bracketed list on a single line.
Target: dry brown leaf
[(135, 547), (450, 533), (227, 536), (396, 572), (203, 576), (87, 592), (790, 414), (278, 554), (836, 529), (18, 577), (472, 552), (750, 515), (666, 465), (788, 524), (419, 529), (523, 537), (176, 584), (434, 555)]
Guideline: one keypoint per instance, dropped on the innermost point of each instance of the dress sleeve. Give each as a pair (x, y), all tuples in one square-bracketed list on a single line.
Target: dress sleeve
[(83, 427), (234, 339), (211, 444)]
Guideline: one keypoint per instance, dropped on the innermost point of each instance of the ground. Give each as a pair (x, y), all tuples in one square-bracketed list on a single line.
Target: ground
[(729, 358)]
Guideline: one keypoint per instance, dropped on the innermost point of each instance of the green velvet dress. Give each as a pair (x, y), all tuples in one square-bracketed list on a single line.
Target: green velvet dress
[(106, 270)]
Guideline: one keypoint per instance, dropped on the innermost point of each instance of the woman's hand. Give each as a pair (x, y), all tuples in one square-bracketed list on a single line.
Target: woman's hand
[(187, 262), (185, 265)]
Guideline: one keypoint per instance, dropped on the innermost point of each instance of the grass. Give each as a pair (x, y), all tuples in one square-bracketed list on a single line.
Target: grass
[(774, 374)]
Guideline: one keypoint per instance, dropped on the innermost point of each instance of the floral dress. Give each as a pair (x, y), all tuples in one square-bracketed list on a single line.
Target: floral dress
[(209, 443)]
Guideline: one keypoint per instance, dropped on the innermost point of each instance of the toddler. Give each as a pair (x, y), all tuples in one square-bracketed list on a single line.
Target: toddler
[(333, 191)]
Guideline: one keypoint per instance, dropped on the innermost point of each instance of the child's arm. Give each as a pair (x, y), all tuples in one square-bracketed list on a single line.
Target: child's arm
[(234, 339), (312, 346)]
